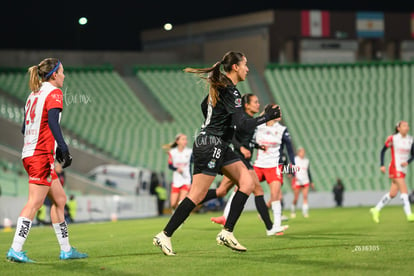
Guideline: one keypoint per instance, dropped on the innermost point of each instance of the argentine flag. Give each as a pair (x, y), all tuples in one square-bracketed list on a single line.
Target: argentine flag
[(370, 24)]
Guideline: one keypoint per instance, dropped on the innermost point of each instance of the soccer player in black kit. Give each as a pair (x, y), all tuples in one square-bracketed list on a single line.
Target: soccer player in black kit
[(244, 144), (211, 151)]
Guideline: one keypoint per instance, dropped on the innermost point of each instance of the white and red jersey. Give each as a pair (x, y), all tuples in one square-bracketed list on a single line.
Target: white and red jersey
[(270, 136), (38, 138), (302, 170), (400, 150), (181, 159)]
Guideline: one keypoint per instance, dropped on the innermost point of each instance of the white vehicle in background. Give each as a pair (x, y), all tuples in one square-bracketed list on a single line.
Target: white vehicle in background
[(129, 179)]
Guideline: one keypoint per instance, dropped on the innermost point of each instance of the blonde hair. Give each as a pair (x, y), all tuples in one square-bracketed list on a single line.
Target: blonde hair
[(42, 72), (168, 147), (215, 77)]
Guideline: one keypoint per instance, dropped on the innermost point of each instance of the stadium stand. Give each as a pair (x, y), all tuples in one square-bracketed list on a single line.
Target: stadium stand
[(341, 114), (13, 179)]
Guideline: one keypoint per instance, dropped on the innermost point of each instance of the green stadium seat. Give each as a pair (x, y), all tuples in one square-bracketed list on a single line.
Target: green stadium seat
[(342, 114)]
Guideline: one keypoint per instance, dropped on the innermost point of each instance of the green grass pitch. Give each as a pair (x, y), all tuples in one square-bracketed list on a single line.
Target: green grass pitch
[(342, 241)]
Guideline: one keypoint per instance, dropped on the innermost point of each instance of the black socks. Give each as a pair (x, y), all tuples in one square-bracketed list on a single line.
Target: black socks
[(180, 215), (263, 211), (236, 207)]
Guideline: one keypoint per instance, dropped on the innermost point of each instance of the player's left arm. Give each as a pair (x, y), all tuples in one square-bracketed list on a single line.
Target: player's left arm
[(288, 142), (412, 154), (310, 178), (233, 104), (54, 106)]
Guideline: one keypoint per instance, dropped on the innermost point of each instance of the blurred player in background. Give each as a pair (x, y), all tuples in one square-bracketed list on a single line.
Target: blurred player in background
[(301, 183), (402, 153), (41, 132), (269, 165), (243, 142), (223, 112), (180, 158)]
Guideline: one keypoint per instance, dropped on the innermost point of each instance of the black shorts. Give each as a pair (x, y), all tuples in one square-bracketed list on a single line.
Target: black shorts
[(210, 154), (247, 163)]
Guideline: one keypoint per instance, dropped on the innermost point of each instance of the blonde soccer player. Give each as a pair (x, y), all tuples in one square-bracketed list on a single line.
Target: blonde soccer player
[(41, 130)]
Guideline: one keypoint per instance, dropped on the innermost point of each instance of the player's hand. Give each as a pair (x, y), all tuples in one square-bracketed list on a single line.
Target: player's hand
[(273, 112), (312, 187), (404, 164), (63, 157), (263, 147), (382, 169), (246, 153)]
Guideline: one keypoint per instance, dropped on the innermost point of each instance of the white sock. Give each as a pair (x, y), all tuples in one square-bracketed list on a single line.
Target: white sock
[(384, 201), (277, 213), (406, 203), (305, 209), (22, 231), (292, 208), (228, 204), (62, 234)]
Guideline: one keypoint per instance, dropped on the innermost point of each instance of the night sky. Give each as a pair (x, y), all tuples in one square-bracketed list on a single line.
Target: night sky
[(116, 25)]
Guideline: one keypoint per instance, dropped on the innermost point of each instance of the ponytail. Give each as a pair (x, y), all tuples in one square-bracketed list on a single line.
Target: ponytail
[(168, 147), (215, 78), (42, 72), (34, 80)]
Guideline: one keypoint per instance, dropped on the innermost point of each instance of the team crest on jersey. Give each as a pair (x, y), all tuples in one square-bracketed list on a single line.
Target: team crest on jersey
[(211, 164), (238, 102), (49, 178)]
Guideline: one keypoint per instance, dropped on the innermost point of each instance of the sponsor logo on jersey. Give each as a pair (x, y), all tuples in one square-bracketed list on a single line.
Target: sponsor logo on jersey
[(34, 178)]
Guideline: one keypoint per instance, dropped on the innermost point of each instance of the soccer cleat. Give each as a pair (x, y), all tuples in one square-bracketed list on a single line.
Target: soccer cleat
[(375, 214), (293, 215), (219, 220), (18, 257), (164, 243), (306, 215), (284, 218), (410, 218), (72, 254), (227, 238), (274, 231)]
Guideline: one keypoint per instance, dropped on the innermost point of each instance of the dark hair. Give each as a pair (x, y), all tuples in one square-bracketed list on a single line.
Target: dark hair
[(246, 98), (216, 78), (397, 126), (42, 72)]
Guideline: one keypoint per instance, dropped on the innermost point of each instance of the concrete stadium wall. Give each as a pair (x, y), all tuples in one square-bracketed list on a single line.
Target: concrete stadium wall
[(91, 208), (209, 40), (123, 62)]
